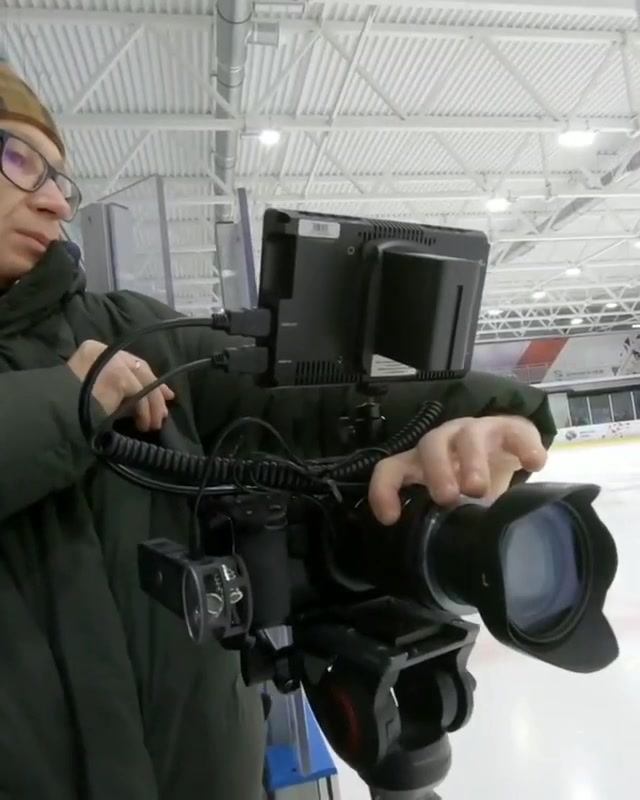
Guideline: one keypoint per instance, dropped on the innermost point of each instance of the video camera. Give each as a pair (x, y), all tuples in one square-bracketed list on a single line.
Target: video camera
[(379, 636)]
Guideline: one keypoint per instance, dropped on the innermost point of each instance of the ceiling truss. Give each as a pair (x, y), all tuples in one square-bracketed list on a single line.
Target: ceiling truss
[(584, 218)]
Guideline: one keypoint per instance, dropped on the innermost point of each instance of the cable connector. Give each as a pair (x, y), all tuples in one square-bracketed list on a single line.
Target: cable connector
[(244, 360), (253, 322)]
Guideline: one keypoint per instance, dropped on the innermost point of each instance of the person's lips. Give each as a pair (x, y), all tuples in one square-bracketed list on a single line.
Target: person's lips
[(37, 240)]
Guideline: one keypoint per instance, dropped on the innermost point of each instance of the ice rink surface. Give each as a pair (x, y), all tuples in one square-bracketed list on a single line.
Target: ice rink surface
[(539, 733)]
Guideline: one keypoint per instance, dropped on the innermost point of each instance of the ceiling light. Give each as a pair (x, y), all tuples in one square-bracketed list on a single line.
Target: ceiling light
[(577, 138), (636, 325), (573, 272), (611, 305), (577, 321), (496, 205), (540, 295), (269, 137), (494, 312), (636, 243)]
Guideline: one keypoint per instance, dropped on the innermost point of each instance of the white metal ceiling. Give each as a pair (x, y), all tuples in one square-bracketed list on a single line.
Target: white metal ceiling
[(414, 111)]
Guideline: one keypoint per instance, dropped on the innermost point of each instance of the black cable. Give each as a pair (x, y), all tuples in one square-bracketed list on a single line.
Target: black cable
[(269, 472), (406, 438), (128, 404), (86, 393), (195, 539)]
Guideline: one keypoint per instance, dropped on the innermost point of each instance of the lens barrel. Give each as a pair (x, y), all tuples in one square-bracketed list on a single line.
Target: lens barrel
[(536, 565)]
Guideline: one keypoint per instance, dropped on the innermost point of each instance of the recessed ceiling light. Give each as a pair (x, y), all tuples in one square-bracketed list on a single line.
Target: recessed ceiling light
[(269, 137), (577, 321), (573, 272), (540, 295), (611, 305), (497, 205), (576, 138)]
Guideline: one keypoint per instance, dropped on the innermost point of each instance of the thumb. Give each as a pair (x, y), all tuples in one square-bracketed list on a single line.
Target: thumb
[(389, 476)]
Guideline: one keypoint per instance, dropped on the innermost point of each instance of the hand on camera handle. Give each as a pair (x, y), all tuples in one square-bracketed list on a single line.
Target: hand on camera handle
[(468, 456), (123, 376)]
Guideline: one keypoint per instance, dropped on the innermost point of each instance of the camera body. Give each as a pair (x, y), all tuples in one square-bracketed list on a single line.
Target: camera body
[(379, 638)]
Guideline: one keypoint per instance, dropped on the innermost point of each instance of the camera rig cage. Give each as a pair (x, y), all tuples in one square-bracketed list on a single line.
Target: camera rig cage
[(379, 639)]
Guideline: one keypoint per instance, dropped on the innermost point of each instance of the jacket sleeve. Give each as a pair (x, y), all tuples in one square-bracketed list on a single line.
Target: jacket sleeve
[(42, 449), (478, 394)]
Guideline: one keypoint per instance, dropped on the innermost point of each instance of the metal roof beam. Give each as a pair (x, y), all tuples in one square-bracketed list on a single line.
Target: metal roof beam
[(317, 123), (252, 181), (558, 266), (200, 22), (568, 310), (432, 197), (551, 295)]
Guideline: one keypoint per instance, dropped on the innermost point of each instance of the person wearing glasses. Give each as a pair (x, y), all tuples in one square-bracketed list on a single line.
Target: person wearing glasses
[(102, 694)]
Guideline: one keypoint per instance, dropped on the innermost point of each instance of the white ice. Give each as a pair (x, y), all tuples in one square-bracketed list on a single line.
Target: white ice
[(539, 733)]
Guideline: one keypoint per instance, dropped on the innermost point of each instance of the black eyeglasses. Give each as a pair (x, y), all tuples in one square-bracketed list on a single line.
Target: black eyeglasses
[(29, 170)]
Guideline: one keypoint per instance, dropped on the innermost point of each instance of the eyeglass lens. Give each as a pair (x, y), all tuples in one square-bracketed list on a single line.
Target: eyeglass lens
[(25, 167)]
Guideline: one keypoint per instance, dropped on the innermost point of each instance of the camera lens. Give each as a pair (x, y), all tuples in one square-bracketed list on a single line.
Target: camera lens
[(543, 568), (193, 600)]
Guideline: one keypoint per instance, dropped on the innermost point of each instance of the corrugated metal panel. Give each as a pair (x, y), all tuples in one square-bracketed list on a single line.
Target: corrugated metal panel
[(610, 95), (402, 152), (475, 16), (60, 61), (560, 73), (149, 79), (408, 71), (176, 153), (255, 159), (98, 153), (264, 67), (477, 83), (144, 6), (324, 73)]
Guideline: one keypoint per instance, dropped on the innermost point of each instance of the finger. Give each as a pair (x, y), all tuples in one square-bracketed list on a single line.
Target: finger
[(471, 446), (143, 415), (389, 476), (522, 439), (159, 411), (155, 400), (143, 411), (438, 466), (135, 383), (142, 369)]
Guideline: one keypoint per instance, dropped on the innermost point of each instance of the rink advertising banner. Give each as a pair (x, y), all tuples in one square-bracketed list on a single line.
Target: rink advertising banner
[(563, 359), (592, 433)]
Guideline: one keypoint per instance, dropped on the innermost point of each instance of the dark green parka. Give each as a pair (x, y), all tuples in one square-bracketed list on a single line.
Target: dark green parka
[(102, 694)]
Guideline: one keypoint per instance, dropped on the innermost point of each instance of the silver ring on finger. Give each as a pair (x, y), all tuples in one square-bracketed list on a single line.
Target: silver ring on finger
[(137, 365)]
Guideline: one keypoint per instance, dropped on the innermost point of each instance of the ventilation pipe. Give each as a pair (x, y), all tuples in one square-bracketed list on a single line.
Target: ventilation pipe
[(233, 29)]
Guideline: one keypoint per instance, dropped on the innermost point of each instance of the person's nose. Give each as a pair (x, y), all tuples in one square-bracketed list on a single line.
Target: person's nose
[(49, 198)]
